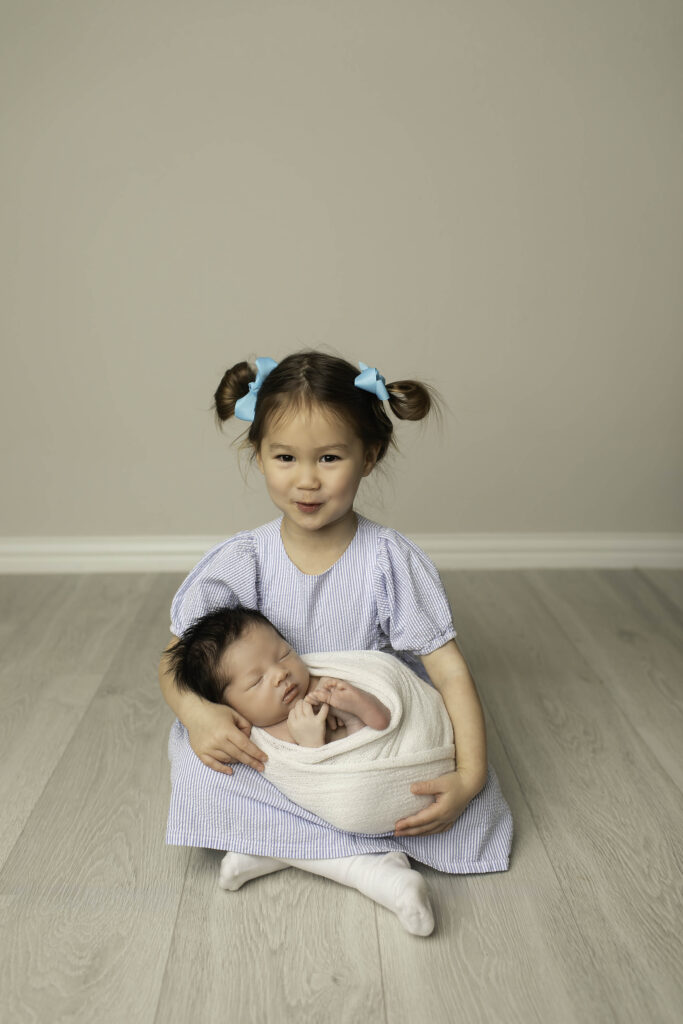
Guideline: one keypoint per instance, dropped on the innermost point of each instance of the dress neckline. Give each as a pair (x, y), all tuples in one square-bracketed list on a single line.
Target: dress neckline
[(317, 575)]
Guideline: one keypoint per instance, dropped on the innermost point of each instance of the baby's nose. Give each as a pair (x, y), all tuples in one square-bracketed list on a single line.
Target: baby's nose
[(278, 674)]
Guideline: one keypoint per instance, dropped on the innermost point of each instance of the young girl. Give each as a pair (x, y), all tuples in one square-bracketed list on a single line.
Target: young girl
[(328, 579)]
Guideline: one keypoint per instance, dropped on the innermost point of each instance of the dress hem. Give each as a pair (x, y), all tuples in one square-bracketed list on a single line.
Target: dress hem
[(260, 850)]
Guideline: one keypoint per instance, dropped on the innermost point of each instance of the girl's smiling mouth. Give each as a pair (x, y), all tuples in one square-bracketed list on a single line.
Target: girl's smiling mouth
[(308, 507)]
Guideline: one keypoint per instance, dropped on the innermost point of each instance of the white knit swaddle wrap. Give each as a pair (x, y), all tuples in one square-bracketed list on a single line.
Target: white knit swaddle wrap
[(362, 782)]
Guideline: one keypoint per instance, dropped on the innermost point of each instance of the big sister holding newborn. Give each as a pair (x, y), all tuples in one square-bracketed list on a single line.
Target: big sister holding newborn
[(328, 579)]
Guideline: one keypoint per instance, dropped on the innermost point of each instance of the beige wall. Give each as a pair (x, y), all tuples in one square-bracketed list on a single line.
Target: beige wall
[(487, 196)]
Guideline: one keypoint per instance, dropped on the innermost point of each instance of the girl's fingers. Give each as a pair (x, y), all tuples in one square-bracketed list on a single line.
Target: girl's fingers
[(241, 722), (243, 746), (429, 819), (424, 819), (423, 831), (216, 765), (240, 754), (426, 822), (430, 787)]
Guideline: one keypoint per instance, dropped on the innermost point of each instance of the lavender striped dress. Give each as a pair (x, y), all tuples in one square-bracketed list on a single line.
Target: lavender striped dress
[(382, 594)]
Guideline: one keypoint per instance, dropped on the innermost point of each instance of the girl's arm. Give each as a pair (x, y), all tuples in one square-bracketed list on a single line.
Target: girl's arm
[(217, 733), (453, 792)]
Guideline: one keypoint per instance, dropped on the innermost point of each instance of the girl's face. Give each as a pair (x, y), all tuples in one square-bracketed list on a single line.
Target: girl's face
[(313, 463)]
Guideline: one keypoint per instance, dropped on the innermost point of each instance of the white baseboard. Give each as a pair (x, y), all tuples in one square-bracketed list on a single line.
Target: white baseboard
[(554, 550), (448, 550)]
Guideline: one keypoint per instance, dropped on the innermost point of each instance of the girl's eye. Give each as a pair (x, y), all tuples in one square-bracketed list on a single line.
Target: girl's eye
[(330, 458), (284, 458)]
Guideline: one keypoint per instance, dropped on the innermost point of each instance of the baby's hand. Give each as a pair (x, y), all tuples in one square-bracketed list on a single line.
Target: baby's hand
[(306, 727), (320, 695)]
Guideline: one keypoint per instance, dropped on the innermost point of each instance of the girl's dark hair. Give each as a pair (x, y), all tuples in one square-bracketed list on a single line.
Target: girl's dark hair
[(315, 378), (195, 657)]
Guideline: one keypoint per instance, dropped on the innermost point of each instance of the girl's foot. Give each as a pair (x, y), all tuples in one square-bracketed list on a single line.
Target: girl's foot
[(388, 879), (404, 891), (412, 904), (238, 868)]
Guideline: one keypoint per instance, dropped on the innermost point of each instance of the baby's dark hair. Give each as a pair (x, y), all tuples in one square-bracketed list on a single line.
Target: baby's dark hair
[(316, 378), (195, 657)]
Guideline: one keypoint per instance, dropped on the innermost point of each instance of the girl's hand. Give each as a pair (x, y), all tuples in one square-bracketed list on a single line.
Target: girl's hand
[(452, 793), (219, 736)]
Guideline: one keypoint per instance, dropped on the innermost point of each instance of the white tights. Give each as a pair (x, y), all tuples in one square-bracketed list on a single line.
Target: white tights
[(387, 878)]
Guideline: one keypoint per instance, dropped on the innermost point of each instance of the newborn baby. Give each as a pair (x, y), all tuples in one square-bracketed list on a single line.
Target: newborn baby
[(296, 706), (236, 657)]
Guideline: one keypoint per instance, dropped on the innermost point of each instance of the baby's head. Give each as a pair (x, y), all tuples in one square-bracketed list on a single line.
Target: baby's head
[(235, 656), (315, 380)]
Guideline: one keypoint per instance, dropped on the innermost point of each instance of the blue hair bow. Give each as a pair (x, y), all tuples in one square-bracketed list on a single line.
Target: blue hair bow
[(245, 407), (370, 379)]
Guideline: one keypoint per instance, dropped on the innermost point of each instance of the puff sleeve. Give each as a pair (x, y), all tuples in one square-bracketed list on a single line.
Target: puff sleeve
[(413, 609), (227, 575)]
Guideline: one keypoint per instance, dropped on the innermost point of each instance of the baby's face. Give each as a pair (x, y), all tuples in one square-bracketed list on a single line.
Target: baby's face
[(265, 676)]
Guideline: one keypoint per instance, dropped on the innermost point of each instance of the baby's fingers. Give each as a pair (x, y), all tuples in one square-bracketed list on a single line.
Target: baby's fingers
[(296, 712), (308, 711)]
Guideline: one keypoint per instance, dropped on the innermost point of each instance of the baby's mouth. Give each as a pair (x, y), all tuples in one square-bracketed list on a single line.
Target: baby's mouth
[(289, 693)]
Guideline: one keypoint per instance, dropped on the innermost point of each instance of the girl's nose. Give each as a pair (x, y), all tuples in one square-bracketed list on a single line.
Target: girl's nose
[(307, 479)]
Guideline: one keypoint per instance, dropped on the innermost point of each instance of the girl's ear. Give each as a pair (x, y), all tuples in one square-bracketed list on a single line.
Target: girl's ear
[(259, 460), (370, 459)]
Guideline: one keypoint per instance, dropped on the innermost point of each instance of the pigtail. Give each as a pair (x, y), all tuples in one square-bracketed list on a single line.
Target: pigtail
[(410, 400), (233, 386)]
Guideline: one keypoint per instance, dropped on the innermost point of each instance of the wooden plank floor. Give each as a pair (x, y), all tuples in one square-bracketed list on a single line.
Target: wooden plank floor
[(581, 674)]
